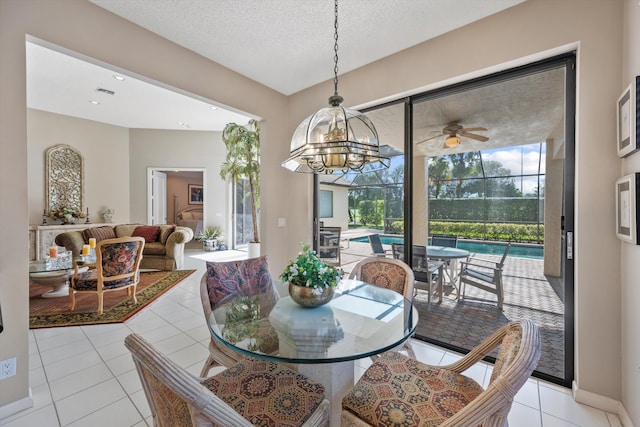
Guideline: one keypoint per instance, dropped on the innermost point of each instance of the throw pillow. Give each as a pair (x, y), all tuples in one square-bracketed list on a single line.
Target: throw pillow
[(149, 232), (99, 233), (165, 232)]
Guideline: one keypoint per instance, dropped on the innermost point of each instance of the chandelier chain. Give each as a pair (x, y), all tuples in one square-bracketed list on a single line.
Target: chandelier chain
[(335, 49)]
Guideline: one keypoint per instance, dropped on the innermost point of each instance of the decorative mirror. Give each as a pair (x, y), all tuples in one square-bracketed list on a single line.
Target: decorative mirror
[(65, 183)]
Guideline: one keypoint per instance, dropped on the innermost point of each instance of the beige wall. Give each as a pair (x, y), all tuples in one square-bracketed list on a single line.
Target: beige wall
[(340, 207), (105, 149), (630, 255), (177, 148), (515, 36)]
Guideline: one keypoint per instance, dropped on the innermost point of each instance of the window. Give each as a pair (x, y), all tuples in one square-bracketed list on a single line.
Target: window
[(326, 204)]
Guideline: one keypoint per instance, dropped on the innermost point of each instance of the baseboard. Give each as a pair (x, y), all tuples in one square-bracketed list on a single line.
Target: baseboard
[(17, 406), (603, 403)]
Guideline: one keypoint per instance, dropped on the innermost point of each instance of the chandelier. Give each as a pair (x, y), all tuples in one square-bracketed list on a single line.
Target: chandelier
[(334, 138)]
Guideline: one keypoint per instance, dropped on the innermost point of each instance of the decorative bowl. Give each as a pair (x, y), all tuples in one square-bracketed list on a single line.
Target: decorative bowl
[(310, 297)]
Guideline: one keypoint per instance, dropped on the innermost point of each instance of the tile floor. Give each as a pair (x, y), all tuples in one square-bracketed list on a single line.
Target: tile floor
[(84, 376)]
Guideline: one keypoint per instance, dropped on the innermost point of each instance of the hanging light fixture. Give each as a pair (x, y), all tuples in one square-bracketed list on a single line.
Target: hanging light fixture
[(335, 138)]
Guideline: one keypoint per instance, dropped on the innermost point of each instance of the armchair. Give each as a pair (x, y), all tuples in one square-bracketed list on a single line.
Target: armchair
[(484, 274), (420, 394), (116, 267)]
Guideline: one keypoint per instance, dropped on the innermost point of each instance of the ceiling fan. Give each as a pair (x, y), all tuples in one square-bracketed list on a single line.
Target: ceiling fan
[(452, 130)]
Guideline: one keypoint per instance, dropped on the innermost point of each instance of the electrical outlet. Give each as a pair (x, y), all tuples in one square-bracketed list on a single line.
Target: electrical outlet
[(7, 368)]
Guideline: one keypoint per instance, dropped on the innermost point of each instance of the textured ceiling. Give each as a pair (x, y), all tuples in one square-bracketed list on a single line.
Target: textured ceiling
[(288, 45)]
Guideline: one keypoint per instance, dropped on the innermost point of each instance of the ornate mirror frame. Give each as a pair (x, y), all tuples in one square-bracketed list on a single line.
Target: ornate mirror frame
[(64, 178)]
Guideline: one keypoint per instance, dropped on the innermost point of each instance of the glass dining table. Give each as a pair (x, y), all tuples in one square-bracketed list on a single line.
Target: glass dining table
[(361, 320)]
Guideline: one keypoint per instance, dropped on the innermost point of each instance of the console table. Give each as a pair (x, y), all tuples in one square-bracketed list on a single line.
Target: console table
[(43, 236)]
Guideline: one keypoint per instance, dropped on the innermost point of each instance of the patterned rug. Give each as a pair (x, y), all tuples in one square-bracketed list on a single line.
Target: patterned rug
[(54, 312)]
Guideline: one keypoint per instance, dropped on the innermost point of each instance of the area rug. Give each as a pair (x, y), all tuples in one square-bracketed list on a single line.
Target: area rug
[(55, 312)]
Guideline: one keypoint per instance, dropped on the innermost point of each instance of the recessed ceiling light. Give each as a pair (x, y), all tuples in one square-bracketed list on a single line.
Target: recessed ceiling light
[(213, 108), (119, 78), (94, 102), (181, 123)]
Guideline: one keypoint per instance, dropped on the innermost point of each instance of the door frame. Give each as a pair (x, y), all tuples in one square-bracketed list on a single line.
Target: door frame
[(152, 169)]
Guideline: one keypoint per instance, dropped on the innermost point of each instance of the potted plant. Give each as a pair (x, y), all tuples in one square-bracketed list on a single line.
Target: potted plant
[(209, 237), (243, 162), (311, 281)]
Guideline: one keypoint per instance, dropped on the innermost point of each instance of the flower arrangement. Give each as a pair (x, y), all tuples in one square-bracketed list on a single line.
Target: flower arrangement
[(310, 271), (64, 213)]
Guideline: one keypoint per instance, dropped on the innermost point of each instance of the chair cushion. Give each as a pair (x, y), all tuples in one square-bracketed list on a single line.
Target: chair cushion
[(384, 275), (226, 280), (155, 248), (88, 281), (99, 233), (266, 393), (397, 390), (148, 232)]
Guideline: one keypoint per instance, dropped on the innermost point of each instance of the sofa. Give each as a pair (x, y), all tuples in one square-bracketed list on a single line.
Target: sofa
[(163, 248)]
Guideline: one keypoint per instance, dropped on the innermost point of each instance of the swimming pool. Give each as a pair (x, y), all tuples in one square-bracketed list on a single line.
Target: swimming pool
[(488, 248)]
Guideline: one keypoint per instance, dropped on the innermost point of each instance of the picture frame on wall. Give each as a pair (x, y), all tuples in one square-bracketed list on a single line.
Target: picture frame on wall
[(627, 208), (628, 109), (196, 194)]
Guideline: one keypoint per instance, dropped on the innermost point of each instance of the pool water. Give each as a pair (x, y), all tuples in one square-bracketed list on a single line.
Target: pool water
[(487, 248)]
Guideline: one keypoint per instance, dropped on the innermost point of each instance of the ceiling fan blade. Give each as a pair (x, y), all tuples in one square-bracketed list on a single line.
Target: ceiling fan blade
[(429, 139), (474, 136), (473, 129)]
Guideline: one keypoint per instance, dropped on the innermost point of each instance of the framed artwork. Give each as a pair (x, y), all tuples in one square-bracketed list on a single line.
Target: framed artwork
[(628, 114), (627, 208), (196, 194)]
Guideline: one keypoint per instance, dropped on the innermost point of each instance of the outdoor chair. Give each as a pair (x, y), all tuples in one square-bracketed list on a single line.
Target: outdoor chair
[(224, 282), (329, 249), (116, 267), (484, 274), (390, 274), (418, 394), (231, 398), (428, 274), (376, 246), (448, 240)]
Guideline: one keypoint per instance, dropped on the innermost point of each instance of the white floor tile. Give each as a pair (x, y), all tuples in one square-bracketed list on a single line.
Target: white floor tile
[(78, 381), (73, 364), (121, 364), (524, 416), (122, 413), (561, 405), (130, 381), (43, 417), (79, 405)]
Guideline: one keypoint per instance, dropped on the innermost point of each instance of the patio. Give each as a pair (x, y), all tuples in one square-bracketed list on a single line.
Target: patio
[(528, 294)]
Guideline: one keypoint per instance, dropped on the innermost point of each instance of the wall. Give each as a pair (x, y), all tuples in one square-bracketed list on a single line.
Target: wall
[(82, 27), (105, 149), (630, 255), (179, 149), (340, 207), (515, 37)]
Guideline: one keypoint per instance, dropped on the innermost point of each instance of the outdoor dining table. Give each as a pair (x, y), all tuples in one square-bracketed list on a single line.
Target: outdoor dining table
[(361, 320), (445, 253)]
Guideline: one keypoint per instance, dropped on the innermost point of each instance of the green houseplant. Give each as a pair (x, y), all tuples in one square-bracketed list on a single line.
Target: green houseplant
[(209, 237), (311, 281), (243, 162)]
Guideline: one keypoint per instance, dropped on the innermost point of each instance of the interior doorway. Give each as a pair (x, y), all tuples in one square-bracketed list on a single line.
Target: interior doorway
[(176, 193)]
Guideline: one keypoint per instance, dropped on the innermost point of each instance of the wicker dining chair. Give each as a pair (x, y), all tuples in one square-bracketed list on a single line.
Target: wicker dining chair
[(225, 281), (251, 392), (388, 273), (414, 393)]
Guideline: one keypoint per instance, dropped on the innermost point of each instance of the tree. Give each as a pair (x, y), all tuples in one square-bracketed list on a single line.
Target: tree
[(243, 162)]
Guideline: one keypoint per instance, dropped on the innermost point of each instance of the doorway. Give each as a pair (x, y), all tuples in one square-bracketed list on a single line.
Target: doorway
[(511, 168), (169, 198)]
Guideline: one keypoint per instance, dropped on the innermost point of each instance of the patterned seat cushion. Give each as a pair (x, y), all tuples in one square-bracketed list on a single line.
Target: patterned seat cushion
[(266, 393), (88, 281), (400, 391), (384, 275)]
